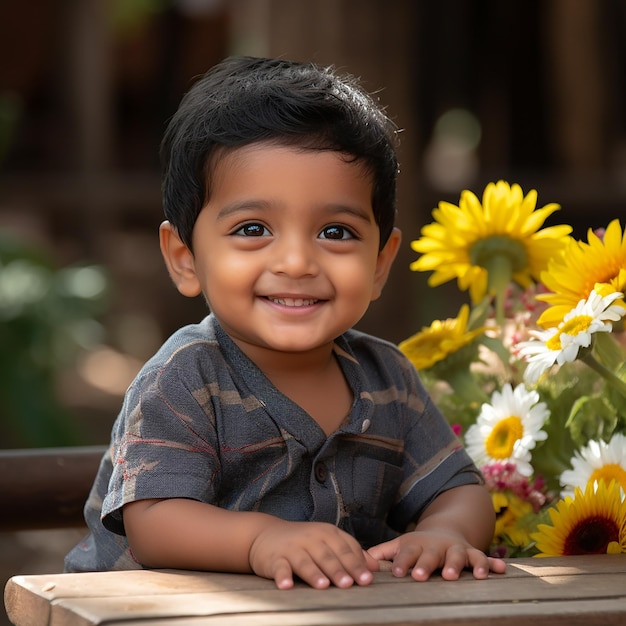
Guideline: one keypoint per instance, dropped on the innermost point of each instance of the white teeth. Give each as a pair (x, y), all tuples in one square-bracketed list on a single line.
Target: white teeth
[(293, 301)]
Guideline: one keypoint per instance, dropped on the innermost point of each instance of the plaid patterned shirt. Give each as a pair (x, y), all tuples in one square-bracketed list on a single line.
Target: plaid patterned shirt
[(201, 421)]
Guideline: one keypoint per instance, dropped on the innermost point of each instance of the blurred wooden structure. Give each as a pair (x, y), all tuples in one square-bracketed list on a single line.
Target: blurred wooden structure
[(46, 488), (546, 82), (107, 95)]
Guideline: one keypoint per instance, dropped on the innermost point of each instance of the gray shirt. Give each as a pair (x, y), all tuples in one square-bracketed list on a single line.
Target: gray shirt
[(201, 421)]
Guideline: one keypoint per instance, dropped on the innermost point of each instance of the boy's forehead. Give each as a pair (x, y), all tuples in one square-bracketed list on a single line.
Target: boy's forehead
[(269, 172), (259, 151)]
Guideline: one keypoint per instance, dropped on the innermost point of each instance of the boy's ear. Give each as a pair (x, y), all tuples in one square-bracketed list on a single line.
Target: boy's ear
[(179, 261), (385, 260)]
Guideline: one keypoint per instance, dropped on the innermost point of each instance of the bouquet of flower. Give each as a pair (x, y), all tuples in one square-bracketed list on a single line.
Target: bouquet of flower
[(531, 373)]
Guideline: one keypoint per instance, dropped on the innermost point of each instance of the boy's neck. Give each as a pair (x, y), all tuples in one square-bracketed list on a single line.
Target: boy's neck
[(313, 380), (289, 364)]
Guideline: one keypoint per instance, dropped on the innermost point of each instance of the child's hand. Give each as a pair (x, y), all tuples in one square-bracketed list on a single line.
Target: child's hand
[(320, 554), (423, 552)]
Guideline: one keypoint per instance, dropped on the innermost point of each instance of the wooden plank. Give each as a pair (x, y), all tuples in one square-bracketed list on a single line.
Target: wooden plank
[(594, 585), (611, 613), (29, 598), (142, 582), (146, 582), (236, 609), (418, 596), (156, 581)]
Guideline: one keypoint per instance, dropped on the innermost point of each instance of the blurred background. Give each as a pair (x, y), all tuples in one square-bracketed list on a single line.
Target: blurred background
[(529, 91)]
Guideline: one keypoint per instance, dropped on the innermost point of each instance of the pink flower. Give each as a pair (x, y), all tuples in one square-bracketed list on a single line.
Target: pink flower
[(504, 476)]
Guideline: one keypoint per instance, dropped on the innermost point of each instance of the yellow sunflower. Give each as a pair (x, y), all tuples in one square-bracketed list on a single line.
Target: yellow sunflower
[(599, 264), (485, 246), (592, 522), (512, 519), (440, 340)]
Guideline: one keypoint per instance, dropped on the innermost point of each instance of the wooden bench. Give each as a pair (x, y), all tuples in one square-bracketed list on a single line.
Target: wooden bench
[(45, 488)]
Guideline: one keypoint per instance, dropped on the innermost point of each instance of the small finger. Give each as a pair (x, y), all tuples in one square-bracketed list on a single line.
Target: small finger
[(341, 573), (482, 564), (496, 565), (372, 564), (357, 564), (459, 557), (314, 577), (319, 571), (428, 562), (283, 575), (338, 575), (405, 560), (382, 552)]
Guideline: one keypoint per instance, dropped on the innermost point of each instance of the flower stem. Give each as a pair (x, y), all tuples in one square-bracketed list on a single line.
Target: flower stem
[(615, 381), (500, 271)]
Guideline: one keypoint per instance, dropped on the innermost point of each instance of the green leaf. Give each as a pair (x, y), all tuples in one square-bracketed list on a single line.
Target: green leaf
[(591, 417)]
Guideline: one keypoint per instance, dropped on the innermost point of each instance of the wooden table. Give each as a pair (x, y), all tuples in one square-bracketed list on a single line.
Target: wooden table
[(585, 590)]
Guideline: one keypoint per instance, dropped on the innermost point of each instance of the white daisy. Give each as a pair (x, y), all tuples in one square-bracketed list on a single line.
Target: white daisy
[(561, 344), (508, 429), (597, 461)]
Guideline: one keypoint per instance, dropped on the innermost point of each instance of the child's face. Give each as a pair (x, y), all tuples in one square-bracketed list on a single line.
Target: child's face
[(286, 250)]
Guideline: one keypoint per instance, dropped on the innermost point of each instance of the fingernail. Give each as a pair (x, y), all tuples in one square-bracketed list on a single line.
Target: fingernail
[(366, 577)]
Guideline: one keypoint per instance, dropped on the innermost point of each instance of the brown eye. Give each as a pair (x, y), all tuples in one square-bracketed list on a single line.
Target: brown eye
[(336, 232), (252, 230)]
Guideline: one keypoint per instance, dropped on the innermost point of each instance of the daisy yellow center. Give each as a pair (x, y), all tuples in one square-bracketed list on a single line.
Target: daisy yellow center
[(591, 535), (501, 440), (554, 343), (572, 327), (576, 325), (608, 472)]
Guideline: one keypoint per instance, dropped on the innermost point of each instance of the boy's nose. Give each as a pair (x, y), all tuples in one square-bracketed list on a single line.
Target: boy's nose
[(294, 257)]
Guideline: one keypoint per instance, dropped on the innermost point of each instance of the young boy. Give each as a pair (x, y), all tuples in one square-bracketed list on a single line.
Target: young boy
[(270, 437)]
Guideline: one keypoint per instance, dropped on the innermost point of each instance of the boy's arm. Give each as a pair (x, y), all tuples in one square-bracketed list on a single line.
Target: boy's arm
[(186, 534), (451, 535), (467, 511)]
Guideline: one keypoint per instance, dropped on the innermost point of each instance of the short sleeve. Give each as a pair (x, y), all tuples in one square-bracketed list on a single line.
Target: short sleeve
[(165, 445)]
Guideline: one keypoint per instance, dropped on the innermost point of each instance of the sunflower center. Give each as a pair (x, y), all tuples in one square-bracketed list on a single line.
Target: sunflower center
[(592, 535), (484, 251), (608, 472), (501, 440)]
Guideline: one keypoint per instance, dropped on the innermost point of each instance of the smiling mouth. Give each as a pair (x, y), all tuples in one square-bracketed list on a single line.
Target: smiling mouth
[(293, 302)]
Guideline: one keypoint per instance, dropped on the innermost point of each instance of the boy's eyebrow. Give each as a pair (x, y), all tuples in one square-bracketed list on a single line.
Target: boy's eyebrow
[(241, 205), (331, 209), (357, 211)]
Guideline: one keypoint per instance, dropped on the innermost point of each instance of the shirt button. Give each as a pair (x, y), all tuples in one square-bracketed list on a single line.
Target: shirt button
[(321, 472), (365, 425)]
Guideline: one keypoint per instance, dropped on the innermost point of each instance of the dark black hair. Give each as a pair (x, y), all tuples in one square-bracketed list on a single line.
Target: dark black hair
[(244, 100)]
